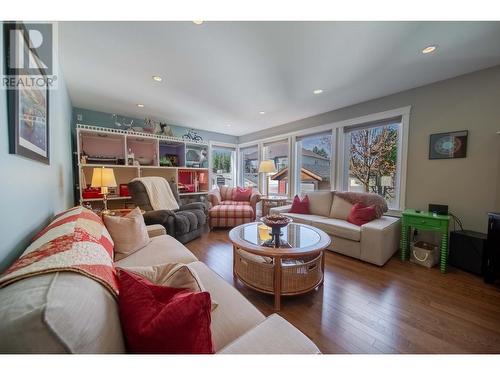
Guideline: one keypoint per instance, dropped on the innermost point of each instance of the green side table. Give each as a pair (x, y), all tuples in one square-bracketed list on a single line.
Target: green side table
[(425, 221)]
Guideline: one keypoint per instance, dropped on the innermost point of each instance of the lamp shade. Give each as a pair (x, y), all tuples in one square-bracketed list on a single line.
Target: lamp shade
[(267, 166), (103, 177)]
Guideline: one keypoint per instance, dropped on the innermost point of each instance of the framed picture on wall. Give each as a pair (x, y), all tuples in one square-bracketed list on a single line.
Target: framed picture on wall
[(27, 103), (450, 145)]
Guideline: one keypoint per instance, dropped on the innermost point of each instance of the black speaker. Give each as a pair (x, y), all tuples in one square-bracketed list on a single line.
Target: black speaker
[(468, 251), (492, 262)]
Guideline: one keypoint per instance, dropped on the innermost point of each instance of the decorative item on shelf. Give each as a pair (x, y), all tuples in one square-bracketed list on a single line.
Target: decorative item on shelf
[(166, 130), (149, 126), (449, 145), (97, 159), (91, 193), (192, 135), (124, 190), (275, 222), (204, 158), (130, 157), (144, 161), (165, 161), (83, 158), (266, 167), (122, 124), (193, 157), (103, 178)]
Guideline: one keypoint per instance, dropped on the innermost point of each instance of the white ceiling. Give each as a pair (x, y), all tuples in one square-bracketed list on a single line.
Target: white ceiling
[(222, 73)]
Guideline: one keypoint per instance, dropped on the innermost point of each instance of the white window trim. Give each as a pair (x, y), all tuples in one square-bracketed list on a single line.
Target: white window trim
[(211, 145), (338, 149), (404, 112)]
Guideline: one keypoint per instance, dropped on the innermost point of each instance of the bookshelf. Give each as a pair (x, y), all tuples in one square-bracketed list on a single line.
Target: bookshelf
[(175, 159)]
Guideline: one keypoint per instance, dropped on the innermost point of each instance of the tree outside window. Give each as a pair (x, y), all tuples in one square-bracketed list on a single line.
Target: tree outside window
[(373, 155)]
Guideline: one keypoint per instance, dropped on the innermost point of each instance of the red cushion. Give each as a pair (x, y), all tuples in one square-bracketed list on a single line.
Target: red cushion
[(300, 206), (243, 194), (163, 320), (361, 214)]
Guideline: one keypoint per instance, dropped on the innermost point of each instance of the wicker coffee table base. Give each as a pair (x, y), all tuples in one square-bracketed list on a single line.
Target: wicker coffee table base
[(280, 276)]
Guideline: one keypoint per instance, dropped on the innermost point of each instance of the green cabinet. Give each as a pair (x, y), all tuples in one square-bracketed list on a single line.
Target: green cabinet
[(425, 221)]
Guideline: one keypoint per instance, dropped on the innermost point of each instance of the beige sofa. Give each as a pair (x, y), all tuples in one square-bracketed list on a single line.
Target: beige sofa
[(374, 242), (65, 312)]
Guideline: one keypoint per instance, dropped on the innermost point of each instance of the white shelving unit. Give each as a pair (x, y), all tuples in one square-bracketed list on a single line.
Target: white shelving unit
[(113, 144)]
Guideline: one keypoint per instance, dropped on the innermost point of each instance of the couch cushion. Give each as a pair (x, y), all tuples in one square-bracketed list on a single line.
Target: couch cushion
[(339, 228), (188, 221), (273, 336), (340, 208), (235, 315), (231, 211), (320, 202), (61, 312), (161, 249), (235, 203), (303, 218)]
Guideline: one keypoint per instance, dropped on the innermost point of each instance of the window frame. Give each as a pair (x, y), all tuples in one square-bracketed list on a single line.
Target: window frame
[(234, 168), (265, 143), (338, 144)]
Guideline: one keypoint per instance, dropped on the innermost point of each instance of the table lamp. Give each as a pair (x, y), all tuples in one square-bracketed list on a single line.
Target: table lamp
[(103, 178), (266, 167)]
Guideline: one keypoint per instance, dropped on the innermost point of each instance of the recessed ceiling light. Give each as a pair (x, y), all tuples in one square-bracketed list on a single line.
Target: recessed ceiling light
[(198, 22), (140, 105), (157, 78), (429, 49), (317, 91), (262, 113), (228, 125)]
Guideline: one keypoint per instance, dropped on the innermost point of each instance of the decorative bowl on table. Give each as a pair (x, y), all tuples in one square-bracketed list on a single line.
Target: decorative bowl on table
[(275, 222)]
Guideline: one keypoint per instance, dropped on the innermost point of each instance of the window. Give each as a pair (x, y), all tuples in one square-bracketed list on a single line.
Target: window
[(372, 159), (314, 155), (249, 166), (277, 183), (223, 166)]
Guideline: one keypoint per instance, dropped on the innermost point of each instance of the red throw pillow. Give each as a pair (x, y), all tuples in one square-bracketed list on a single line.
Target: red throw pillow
[(361, 214), (162, 320), (243, 194), (300, 206)]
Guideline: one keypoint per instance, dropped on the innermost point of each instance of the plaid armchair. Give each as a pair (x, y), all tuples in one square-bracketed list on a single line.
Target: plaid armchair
[(226, 211)]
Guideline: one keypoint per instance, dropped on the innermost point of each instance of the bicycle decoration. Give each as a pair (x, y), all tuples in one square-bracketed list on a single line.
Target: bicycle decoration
[(192, 135)]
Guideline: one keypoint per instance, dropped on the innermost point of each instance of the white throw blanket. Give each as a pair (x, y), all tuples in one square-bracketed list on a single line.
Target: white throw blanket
[(159, 192)]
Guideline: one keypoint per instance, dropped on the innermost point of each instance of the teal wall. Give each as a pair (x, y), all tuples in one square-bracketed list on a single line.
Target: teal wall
[(32, 192), (90, 117)]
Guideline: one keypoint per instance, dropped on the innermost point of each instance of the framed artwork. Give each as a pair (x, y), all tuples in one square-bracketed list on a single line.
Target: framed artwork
[(28, 110), (450, 145)]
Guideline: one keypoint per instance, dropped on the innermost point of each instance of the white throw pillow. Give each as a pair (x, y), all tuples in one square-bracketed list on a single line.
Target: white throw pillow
[(340, 208), (129, 233)]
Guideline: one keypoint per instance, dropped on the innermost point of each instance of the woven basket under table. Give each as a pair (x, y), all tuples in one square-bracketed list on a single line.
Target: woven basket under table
[(298, 275)]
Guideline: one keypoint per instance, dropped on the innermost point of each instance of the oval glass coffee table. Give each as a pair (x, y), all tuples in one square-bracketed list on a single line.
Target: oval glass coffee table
[(295, 267)]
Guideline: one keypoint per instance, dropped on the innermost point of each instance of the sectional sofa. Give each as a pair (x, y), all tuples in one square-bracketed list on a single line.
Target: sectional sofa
[(374, 242), (66, 312)]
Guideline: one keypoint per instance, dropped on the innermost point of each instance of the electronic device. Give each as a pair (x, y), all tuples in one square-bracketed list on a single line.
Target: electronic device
[(492, 258), (438, 209), (468, 251)]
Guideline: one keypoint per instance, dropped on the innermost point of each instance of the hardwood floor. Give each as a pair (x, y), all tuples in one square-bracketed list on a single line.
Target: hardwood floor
[(362, 308)]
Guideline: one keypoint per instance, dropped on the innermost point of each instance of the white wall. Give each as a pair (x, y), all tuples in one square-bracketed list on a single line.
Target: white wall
[(31, 192)]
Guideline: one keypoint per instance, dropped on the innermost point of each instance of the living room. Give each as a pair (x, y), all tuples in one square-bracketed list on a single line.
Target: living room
[(235, 184)]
